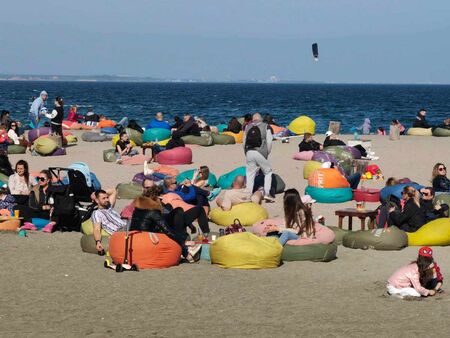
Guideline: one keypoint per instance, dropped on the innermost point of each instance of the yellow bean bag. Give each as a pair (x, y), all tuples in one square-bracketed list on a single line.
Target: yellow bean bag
[(302, 125), (71, 139), (436, 232), (244, 250), (309, 167), (116, 138), (87, 228), (247, 213), (238, 138), (419, 132), (163, 143)]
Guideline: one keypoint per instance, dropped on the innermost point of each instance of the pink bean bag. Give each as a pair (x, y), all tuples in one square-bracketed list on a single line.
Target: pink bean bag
[(324, 235), (303, 155), (135, 160), (127, 212), (179, 155)]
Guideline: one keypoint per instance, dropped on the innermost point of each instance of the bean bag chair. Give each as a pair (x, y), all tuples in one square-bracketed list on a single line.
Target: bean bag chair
[(10, 225), (223, 139), (356, 154), (128, 190), (366, 195), (247, 213), (16, 149), (106, 124), (178, 155), (303, 155), (277, 185), (155, 134), (166, 170), (140, 177), (327, 178), (302, 125), (391, 238), (71, 139), (4, 178), (338, 234), (433, 233), (134, 160), (109, 130), (109, 155), (322, 156), (87, 228), (396, 190), (314, 253), (45, 145), (238, 138), (278, 131), (419, 132), (76, 126), (246, 251), (93, 137), (88, 245), (59, 152), (175, 201), (441, 132), (226, 180), (330, 195), (35, 133), (158, 124), (198, 140), (161, 252), (86, 127), (323, 236), (115, 139), (221, 127), (134, 136), (163, 143), (212, 179), (339, 153), (310, 167)]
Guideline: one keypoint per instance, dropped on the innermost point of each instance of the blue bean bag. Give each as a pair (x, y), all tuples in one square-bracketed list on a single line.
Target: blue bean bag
[(109, 130), (221, 127), (227, 179), (396, 190), (158, 124), (330, 195), (212, 179), (154, 134)]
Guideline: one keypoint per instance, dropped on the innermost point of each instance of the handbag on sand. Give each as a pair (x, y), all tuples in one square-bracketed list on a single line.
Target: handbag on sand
[(235, 227)]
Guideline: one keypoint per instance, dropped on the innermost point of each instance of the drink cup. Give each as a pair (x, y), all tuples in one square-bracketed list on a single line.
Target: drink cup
[(16, 213)]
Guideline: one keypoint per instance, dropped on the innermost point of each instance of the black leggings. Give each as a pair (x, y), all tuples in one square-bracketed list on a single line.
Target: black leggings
[(28, 213), (179, 219), (201, 197)]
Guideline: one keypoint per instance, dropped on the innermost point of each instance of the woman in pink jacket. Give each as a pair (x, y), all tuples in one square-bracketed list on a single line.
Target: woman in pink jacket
[(420, 278)]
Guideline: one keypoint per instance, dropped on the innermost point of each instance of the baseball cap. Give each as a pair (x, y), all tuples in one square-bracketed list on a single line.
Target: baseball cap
[(425, 251), (306, 199), (328, 133)]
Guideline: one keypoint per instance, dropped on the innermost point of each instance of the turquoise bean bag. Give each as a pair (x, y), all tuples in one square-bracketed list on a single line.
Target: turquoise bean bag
[(330, 195), (155, 134), (221, 127), (109, 130), (212, 179), (227, 179)]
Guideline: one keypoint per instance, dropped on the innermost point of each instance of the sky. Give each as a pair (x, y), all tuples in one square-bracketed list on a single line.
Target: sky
[(383, 41)]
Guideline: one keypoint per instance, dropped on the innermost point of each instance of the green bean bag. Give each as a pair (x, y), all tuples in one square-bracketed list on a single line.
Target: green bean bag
[(309, 167), (91, 136), (339, 153), (212, 179), (313, 252), (338, 234), (199, 140), (330, 195), (226, 180), (45, 145), (129, 190), (223, 139), (155, 134), (391, 238), (87, 228), (16, 149), (443, 199), (88, 245), (134, 136), (441, 132), (419, 132), (4, 178), (109, 155)]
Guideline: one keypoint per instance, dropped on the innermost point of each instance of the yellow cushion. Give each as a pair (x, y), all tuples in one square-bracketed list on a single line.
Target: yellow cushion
[(87, 228), (244, 250), (163, 143), (419, 132), (302, 125), (71, 139), (247, 213), (436, 232)]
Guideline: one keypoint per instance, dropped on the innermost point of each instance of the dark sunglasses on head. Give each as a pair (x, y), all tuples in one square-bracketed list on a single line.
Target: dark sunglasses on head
[(42, 179)]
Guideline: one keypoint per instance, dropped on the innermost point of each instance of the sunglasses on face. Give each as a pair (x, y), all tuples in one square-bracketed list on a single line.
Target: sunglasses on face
[(442, 168), (42, 179)]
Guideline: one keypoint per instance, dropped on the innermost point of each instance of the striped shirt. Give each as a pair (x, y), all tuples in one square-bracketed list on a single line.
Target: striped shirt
[(109, 220)]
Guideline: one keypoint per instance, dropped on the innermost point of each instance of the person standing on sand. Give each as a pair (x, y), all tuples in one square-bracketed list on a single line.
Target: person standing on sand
[(257, 146), (35, 109)]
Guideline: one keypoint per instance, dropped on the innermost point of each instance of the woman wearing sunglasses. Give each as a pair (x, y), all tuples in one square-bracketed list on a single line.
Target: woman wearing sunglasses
[(411, 217), (441, 183), (13, 134)]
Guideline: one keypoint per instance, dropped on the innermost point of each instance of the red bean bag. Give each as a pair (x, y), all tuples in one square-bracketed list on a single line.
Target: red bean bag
[(303, 155), (162, 252), (327, 178), (366, 195), (178, 155)]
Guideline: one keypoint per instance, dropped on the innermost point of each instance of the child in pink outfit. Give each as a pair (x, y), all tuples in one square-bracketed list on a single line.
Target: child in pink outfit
[(420, 278)]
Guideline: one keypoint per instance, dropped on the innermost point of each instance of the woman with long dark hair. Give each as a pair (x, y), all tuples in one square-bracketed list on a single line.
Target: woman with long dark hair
[(20, 183)]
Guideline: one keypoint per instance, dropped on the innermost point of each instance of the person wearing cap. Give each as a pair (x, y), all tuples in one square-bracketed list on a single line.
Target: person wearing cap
[(420, 278), (35, 109), (331, 139), (308, 144)]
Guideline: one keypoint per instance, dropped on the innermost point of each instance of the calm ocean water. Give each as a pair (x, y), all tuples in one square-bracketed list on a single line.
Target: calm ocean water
[(216, 102)]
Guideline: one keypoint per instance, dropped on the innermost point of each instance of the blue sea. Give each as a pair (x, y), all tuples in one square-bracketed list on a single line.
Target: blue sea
[(218, 102)]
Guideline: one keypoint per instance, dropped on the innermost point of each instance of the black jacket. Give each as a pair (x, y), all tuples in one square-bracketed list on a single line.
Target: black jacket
[(188, 128), (441, 184), (410, 219), (59, 117), (420, 122), (309, 146), (332, 142)]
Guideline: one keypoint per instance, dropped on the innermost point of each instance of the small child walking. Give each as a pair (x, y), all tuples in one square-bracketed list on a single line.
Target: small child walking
[(420, 278)]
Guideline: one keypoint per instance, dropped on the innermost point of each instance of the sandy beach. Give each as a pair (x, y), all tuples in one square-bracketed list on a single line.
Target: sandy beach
[(50, 288)]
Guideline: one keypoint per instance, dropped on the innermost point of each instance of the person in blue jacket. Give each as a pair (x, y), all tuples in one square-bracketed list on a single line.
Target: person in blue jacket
[(35, 109), (158, 122)]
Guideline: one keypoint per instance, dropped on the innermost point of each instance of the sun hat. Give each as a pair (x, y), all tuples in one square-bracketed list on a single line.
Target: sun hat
[(306, 199), (328, 133), (425, 251)]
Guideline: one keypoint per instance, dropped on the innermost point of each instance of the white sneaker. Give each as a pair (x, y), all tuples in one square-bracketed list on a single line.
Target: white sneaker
[(269, 199)]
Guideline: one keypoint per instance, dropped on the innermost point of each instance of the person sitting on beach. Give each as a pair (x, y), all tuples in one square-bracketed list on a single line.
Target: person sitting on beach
[(158, 122), (411, 217), (400, 126), (105, 217), (421, 120), (124, 147), (14, 134), (4, 140), (73, 115), (308, 144), (234, 126), (188, 127), (422, 277), (238, 194), (174, 142), (431, 211), (331, 140), (91, 118), (187, 191), (7, 201), (441, 184), (381, 131), (36, 108), (20, 183), (247, 119), (5, 118)]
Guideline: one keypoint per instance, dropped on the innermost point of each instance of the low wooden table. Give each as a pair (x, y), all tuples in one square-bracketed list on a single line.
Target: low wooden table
[(361, 214)]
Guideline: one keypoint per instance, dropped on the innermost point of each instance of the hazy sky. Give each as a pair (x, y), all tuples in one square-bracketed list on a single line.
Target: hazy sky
[(359, 41)]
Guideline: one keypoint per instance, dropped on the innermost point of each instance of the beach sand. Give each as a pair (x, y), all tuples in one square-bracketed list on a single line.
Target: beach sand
[(50, 288)]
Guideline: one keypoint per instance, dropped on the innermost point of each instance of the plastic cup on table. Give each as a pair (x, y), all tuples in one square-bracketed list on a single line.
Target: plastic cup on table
[(16, 213)]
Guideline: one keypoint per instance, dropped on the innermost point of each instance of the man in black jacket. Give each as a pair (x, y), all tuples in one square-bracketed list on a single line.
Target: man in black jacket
[(308, 144), (421, 121)]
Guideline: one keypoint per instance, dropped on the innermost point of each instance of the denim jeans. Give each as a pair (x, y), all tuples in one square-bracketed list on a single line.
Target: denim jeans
[(287, 236), (353, 180)]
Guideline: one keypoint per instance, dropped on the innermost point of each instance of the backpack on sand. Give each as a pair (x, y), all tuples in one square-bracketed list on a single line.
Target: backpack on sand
[(253, 139)]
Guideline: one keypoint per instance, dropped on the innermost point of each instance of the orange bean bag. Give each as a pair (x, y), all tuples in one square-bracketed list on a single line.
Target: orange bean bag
[(143, 252), (237, 137), (106, 124), (327, 178), (277, 129), (166, 170), (10, 225), (67, 124)]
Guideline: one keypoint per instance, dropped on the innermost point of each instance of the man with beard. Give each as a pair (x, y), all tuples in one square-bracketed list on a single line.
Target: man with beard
[(105, 217)]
